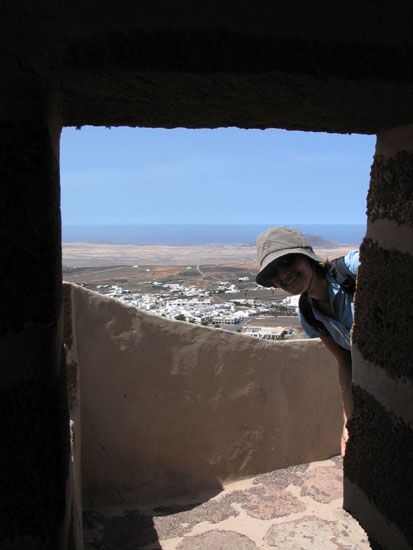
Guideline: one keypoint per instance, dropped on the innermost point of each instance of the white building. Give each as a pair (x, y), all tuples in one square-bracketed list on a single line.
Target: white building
[(291, 301), (267, 333)]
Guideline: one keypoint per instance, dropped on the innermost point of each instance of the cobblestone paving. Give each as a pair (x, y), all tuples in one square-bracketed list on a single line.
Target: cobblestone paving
[(297, 508)]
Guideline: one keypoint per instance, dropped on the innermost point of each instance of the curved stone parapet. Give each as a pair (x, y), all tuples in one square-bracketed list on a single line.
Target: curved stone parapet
[(168, 407)]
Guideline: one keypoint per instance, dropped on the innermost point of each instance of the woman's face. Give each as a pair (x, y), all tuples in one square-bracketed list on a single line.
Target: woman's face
[(294, 273)]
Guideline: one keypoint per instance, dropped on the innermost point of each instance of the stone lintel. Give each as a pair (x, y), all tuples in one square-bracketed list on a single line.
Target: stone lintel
[(391, 141)]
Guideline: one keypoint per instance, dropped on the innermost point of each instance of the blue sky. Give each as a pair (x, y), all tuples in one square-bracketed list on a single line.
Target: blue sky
[(139, 175)]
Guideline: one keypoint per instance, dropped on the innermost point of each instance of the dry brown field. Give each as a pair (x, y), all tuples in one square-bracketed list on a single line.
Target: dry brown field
[(133, 266), (99, 255)]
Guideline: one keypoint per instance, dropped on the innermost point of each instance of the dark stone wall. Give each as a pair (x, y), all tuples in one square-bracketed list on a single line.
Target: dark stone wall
[(391, 191), (296, 66), (213, 78), (384, 312), (223, 51), (30, 253), (34, 458), (34, 454), (379, 454), (379, 460)]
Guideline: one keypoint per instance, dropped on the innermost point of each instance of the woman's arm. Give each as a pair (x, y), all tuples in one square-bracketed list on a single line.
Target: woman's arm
[(343, 358), (344, 372)]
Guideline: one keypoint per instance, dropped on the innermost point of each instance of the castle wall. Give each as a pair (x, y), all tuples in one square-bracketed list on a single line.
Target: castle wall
[(34, 457), (379, 462), (305, 66)]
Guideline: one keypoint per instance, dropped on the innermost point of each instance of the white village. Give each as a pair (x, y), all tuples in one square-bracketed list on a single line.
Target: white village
[(249, 316)]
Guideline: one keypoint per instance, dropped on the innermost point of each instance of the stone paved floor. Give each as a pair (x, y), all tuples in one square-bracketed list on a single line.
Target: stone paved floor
[(295, 508)]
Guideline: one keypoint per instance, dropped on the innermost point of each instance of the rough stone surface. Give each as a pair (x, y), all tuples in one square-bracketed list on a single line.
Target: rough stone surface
[(145, 528), (390, 194), (379, 460), (277, 509), (168, 65), (269, 502), (234, 68), (384, 309), (323, 484), (212, 511), (379, 453), (375, 523), (282, 478), (317, 533), (223, 100), (219, 540), (219, 50)]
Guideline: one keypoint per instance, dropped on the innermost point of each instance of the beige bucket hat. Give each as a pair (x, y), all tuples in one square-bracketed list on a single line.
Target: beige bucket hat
[(275, 242)]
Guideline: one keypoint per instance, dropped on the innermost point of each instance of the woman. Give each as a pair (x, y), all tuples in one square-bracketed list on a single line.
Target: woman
[(288, 262)]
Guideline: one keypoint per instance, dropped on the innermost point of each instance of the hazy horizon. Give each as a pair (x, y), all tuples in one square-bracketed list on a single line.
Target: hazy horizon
[(200, 234)]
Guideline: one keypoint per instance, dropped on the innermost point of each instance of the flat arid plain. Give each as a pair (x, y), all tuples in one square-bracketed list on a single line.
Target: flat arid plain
[(134, 265), (99, 255)]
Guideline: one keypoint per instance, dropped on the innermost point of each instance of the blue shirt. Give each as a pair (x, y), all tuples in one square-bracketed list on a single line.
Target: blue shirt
[(342, 305)]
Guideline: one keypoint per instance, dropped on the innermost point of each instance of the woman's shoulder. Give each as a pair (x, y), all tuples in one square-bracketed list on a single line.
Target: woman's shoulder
[(352, 260)]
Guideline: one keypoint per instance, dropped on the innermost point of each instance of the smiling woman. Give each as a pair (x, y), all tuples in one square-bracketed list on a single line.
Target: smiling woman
[(293, 273), (326, 302)]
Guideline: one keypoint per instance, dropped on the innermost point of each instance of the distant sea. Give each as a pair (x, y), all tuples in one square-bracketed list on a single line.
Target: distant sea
[(200, 234)]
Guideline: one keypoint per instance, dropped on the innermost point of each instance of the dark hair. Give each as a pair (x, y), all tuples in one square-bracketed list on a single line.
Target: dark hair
[(321, 268)]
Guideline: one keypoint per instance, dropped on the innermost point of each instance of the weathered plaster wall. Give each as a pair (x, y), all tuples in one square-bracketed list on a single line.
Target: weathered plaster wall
[(379, 463), (34, 455), (168, 407)]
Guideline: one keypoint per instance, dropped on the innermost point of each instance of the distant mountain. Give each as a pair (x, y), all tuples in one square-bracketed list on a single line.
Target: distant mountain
[(320, 242)]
